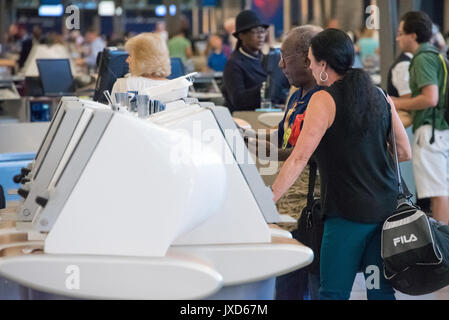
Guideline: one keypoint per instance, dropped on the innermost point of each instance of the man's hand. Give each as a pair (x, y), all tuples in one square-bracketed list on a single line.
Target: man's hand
[(427, 99)]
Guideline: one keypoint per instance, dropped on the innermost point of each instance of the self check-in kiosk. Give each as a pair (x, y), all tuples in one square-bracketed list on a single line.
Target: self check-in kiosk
[(165, 207)]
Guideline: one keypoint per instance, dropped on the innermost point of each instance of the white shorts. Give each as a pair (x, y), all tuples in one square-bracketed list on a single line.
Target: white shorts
[(431, 163)]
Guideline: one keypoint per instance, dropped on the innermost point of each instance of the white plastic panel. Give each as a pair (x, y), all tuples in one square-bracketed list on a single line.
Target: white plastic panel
[(135, 196), (239, 219)]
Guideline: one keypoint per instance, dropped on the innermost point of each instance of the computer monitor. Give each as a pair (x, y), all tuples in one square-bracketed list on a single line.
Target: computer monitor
[(278, 85), (177, 68), (56, 77), (112, 65)]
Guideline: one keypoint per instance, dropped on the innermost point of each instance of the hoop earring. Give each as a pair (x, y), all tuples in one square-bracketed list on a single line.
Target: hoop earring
[(321, 76)]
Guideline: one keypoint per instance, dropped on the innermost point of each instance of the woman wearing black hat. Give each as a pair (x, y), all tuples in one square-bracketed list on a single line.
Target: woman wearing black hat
[(243, 75)]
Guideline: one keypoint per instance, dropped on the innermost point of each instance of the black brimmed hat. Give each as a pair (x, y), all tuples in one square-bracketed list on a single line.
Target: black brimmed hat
[(247, 20)]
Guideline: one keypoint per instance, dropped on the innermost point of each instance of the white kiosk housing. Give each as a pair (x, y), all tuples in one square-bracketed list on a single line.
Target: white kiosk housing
[(167, 207)]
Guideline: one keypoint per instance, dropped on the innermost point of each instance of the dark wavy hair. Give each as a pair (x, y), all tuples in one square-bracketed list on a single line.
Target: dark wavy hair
[(361, 96), (419, 23)]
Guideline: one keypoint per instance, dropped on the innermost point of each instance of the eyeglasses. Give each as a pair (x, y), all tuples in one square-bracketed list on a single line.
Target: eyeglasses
[(258, 32), (284, 59)]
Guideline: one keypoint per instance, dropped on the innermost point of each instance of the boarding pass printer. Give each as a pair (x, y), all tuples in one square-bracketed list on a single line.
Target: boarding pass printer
[(119, 207)]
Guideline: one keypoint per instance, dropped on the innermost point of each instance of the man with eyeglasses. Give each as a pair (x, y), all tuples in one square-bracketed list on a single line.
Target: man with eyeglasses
[(244, 74), (427, 104), (295, 65)]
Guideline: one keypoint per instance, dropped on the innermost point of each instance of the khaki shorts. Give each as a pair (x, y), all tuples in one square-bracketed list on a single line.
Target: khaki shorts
[(431, 163)]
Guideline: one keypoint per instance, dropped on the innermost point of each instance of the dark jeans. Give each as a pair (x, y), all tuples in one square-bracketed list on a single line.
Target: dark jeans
[(348, 246), (298, 285)]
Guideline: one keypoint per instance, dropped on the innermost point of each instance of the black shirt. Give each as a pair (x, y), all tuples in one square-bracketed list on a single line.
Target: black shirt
[(358, 181), (242, 80)]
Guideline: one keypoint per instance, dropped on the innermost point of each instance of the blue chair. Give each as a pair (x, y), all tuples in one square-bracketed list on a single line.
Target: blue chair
[(177, 68)]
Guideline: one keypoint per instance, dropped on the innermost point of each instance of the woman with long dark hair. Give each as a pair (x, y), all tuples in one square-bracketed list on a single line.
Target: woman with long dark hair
[(346, 128)]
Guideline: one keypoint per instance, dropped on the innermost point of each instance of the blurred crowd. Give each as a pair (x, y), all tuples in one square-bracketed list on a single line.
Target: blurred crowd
[(205, 53)]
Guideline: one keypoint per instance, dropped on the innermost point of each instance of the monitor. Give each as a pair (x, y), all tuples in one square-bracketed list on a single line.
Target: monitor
[(278, 86), (177, 68), (112, 65), (56, 77)]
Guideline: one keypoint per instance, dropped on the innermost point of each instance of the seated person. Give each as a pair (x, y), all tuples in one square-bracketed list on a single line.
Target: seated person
[(149, 64), (216, 59)]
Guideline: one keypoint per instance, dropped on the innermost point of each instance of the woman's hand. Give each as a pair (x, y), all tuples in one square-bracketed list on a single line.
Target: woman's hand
[(320, 116)]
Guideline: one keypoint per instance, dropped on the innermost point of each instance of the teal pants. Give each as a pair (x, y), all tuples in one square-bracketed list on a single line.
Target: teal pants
[(348, 248)]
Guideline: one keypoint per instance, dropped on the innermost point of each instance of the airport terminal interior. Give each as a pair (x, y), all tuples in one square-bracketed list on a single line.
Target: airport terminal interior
[(137, 144)]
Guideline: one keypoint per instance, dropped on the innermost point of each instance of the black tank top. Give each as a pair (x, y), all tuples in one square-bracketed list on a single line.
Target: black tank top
[(358, 180)]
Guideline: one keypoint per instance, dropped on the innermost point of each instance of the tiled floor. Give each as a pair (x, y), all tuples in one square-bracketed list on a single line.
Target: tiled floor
[(359, 292)]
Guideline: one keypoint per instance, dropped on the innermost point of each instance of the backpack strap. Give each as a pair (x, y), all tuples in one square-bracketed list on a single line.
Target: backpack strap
[(403, 191)]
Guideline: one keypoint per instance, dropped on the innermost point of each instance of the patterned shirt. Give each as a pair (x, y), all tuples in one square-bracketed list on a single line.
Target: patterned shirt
[(291, 125)]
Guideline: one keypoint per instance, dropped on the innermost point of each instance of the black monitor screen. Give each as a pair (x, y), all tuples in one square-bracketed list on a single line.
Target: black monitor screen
[(112, 66), (278, 86), (56, 76)]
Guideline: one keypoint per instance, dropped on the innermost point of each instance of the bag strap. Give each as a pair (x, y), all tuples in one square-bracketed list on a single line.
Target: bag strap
[(404, 193), (313, 168)]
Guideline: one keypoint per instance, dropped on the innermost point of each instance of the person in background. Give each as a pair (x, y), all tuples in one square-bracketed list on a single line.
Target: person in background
[(216, 59), (333, 24), (160, 30), (15, 36), (399, 77), (149, 64), (75, 42), (229, 41), (28, 43), (96, 45), (180, 47), (398, 83), (437, 40), (346, 128), (244, 75), (367, 45), (431, 131)]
